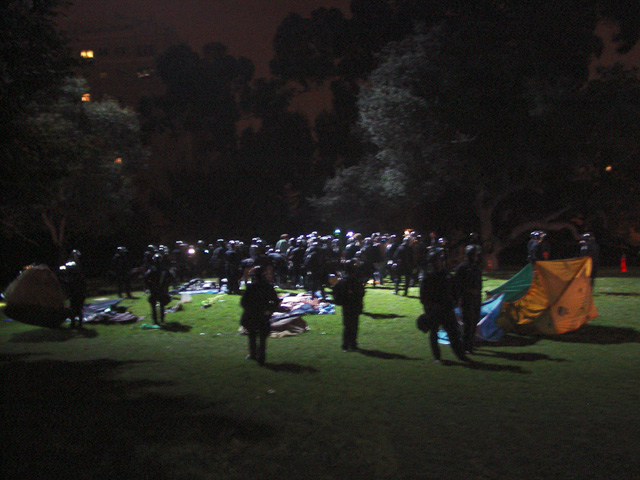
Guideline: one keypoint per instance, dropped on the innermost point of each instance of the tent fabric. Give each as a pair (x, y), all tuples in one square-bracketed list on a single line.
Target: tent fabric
[(516, 287), (558, 300), (36, 297), (487, 328)]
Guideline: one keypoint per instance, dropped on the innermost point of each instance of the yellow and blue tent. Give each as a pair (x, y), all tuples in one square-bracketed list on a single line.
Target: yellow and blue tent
[(547, 297)]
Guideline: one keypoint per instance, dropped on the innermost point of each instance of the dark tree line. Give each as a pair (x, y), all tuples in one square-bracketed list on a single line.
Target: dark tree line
[(482, 117), (452, 116)]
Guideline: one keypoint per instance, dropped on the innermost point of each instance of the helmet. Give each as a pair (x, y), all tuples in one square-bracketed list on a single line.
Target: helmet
[(470, 251), (350, 266), (257, 271), (435, 255)]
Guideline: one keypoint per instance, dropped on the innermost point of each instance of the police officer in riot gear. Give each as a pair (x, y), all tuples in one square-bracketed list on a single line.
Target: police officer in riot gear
[(258, 302), (436, 296), (75, 286), (158, 278), (467, 281), (590, 248)]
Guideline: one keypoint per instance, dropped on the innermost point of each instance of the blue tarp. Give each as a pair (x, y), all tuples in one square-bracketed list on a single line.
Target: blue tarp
[(489, 312), (487, 328)]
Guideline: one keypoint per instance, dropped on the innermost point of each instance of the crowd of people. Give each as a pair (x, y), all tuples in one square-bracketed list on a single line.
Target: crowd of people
[(320, 264)]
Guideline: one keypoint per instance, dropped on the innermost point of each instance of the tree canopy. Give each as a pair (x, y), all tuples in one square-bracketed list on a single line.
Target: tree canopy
[(491, 107), (75, 169)]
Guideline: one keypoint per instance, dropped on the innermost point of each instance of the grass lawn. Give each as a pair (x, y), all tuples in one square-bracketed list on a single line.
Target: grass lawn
[(120, 401)]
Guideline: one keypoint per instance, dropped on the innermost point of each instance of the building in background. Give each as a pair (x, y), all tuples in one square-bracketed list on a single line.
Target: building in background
[(118, 56)]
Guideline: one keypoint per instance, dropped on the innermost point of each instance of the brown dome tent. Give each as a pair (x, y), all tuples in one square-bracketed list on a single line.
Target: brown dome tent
[(36, 297)]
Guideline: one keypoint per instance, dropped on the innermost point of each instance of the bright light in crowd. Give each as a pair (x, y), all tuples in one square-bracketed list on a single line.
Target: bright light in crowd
[(86, 53), (609, 168), (86, 97), (118, 160)]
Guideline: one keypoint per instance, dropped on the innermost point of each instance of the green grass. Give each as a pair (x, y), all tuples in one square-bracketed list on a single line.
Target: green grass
[(119, 401)]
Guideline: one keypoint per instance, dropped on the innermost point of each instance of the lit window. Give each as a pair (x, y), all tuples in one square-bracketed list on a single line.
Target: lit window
[(609, 168), (86, 97), (86, 53)]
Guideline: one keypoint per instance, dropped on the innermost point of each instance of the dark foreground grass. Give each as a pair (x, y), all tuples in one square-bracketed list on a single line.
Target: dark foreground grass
[(120, 401)]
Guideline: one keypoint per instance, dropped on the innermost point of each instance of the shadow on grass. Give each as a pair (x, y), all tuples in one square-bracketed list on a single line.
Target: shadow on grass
[(290, 368), (597, 334), (175, 327), (14, 357), (510, 341), (619, 294), (520, 357), (489, 367), (77, 420), (385, 355), (382, 316), (42, 335)]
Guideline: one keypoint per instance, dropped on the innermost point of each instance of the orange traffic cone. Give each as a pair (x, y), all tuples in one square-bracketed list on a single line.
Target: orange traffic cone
[(623, 263)]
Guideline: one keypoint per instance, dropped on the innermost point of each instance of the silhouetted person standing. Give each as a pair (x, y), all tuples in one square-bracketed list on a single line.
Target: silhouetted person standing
[(404, 265), (258, 301), (590, 248), (468, 291), (75, 287), (349, 293), (437, 299), (158, 278)]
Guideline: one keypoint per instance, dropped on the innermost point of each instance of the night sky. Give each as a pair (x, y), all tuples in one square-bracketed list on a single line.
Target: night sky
[(246, 27)]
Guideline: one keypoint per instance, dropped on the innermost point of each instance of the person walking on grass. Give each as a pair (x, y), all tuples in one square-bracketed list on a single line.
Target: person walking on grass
[(258, 302), (437, 299), (468, 292), (349, 293), (158, 278), (75, 287)]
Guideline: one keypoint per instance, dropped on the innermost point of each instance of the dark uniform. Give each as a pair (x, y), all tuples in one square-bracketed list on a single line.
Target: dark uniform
[(158, 278), (314, 270), (403, 265), (371, 256), (216, 261), (538, 248), (75, 286), (232, 262), (468, 290), (295, 259), (437, 299), (259, 301), (590, 248), (349, 293)]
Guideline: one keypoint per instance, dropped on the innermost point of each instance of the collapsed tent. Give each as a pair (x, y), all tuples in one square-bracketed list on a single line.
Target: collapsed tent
[(547, 297), (36, 297), (108, 312), (289, 321)]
